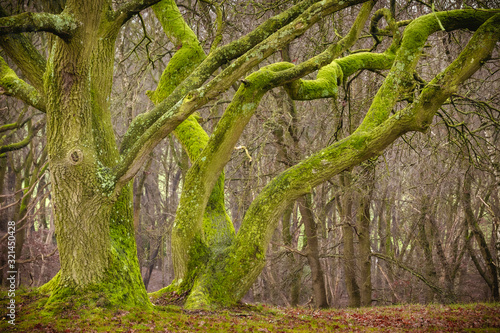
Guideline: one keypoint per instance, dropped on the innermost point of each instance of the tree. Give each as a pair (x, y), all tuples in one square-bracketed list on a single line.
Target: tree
[(91, 173)]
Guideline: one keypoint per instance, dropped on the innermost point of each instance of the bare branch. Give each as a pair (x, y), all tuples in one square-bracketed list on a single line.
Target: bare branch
[(409, 270), (37, 257), (21, 144)]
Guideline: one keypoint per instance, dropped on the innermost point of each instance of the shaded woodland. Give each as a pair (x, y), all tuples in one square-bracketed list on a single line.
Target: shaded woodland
[(419, 223)]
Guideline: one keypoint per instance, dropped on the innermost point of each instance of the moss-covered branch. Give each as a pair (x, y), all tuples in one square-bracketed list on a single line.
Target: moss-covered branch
[(12, 85), (170, 115), (59, 24), (8, 127), (217, 230), (201, 177), (245, 258), (216, 59), (188, 56), (21, 144), (436, 92), (26, 57), (289, 76), (330, 76), (400, 78)]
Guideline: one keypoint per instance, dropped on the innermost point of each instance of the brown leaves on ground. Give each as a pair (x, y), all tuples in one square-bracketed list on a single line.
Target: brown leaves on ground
[(262, 318)]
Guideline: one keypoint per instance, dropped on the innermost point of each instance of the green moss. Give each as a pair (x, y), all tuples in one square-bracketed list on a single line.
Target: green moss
[(325, 85), (121, 285), (216, 228), (16, 87), (245, 318)]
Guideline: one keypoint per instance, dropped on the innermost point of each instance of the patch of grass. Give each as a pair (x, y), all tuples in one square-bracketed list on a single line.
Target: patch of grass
[(31, 317)]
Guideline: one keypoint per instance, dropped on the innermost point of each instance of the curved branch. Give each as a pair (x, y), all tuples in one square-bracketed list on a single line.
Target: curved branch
[(172, 115), (21, 144), (202, 175), (59, 24), (322, 60), (413, 272), (131, 8), (400, 78), (216, 59), (245, 258), (12, 85), (474, 55), (391, 22), (26, 57), (218, 229)]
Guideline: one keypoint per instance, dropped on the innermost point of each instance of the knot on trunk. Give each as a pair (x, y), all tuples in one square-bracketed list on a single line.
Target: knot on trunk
[(75, 156)]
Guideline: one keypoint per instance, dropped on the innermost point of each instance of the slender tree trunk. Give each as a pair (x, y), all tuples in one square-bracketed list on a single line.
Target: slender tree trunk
[(3, 214), (426, 248), (388, 247), (138, 192), (480, 239), (348, 239), (318, 280), (152, 262), (295, 274), (364, 220)]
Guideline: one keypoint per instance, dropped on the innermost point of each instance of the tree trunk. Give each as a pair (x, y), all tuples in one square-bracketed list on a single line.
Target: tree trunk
[(95, 230), (348, 239), (364, 220), (291, 260), (152, 262), (480, 239), (426, 246), (318, 281)]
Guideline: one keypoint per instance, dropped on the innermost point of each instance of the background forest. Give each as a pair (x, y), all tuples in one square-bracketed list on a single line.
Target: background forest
[(418, 224)]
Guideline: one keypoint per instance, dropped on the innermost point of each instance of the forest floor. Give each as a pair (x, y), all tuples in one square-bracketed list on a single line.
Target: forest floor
[(475, 317)]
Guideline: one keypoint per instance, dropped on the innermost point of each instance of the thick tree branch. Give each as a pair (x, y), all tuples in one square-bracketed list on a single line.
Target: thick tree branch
[(400, 78), (474, 55), (249, 247), (329, 71), (218, 228), (26, 57), (172, 116), (59, 24), (216, 59), (131, 8), (11, 85), (202, 176)]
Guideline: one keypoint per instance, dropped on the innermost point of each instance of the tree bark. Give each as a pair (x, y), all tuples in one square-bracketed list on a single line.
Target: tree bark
[(480, 239), (348, 239), (312, 251), (364, 219), (95, 230)]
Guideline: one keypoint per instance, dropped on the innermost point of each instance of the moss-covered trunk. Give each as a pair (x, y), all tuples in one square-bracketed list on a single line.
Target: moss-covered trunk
[(94, 228), (216, 272)]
